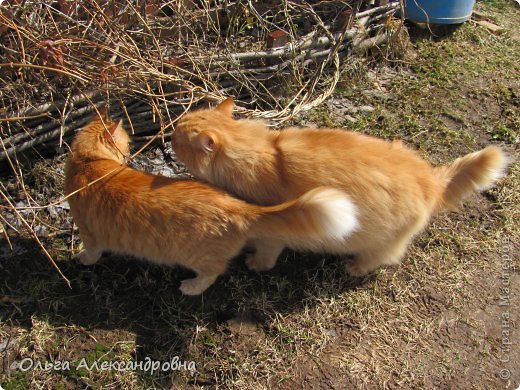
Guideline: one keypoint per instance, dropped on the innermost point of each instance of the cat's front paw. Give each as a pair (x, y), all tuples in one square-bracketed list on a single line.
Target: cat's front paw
[(257, 264), (190, 287), (355, 268), (87, 258), (196, 286)]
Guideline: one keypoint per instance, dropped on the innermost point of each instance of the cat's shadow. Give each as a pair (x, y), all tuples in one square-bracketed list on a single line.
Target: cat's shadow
[(126, 295)]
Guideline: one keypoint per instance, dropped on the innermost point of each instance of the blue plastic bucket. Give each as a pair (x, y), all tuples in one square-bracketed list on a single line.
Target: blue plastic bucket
[(438, 11)]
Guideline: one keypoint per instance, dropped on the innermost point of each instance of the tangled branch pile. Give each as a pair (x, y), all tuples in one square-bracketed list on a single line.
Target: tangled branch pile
[(150, 61)]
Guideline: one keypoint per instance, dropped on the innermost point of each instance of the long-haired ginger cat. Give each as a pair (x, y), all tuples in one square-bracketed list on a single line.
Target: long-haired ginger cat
[(192, 224), (394, 191)]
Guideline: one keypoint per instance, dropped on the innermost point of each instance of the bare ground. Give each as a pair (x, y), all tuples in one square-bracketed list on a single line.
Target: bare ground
[(446, 318)]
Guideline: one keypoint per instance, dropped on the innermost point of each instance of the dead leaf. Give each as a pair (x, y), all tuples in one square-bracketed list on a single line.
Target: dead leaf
[(51, 52)]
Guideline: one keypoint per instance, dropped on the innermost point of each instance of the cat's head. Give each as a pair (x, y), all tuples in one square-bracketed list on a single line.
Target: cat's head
[(212, 144), (102, 138), (200, 136)]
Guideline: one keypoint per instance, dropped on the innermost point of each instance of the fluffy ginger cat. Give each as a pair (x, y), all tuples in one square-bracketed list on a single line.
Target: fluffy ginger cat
[(394, 191), (181, 222)]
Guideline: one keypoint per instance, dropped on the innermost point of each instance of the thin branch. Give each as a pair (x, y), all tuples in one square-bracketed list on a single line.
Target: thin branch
[(35, 236)]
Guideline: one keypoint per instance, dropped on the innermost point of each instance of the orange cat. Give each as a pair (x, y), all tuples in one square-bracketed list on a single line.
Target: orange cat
[(394, 191), (182, 222)]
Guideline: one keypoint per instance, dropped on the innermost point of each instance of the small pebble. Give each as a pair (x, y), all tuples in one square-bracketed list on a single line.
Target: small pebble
[(41, 231), (366, 109)]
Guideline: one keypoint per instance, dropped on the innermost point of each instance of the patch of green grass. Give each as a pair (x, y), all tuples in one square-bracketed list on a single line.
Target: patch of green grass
[(504, 133), (496, 4), (321, 117), (17, 381)]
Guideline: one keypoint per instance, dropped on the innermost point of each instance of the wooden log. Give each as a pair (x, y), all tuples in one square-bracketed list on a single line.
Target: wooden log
[(372, 42), (371, 11), (194, 78), (491, 26)]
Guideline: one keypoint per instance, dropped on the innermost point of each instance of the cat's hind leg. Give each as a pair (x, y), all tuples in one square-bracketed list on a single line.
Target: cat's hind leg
[(265, 256), (369, 260), (389, 253)]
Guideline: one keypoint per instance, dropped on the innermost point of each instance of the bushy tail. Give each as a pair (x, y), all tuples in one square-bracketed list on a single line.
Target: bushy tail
[(473, 172), (319, 216)]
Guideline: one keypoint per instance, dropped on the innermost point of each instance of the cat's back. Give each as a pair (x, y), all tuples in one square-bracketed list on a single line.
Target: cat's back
[(133, 184), (343, 148), (141, 196), (81, 173), (366, 167)]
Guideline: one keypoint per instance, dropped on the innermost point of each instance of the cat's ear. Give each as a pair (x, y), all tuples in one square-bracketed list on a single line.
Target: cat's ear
[(116, 132), (206, 141), (227, 106), (110, 128), (101, 113), (115, 127)]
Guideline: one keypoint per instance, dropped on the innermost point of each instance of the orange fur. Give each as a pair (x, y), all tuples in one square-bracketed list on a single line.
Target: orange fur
[(179, 222), (395, 191)]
